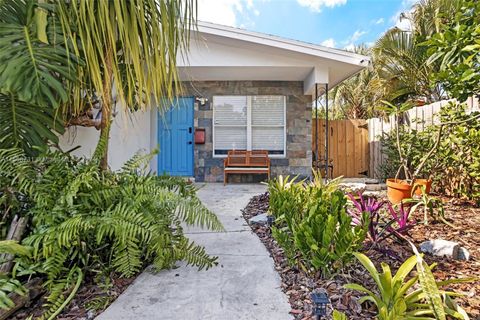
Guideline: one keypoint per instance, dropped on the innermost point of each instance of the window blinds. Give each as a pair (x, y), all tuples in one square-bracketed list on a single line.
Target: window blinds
[(268, 111), (268, 123), (249, 123), (230, 110)]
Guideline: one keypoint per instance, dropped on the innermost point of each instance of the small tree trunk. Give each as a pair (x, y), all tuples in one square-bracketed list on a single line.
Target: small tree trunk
[(17, 228), (105, 134), (106, 106)]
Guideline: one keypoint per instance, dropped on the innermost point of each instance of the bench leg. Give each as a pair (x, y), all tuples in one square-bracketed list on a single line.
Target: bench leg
[(224, 178)]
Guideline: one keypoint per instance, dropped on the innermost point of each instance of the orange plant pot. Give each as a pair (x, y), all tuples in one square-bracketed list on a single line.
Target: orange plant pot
[(397, 190), (422, 182)]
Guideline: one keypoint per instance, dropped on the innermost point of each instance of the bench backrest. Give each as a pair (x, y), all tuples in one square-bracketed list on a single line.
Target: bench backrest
[(243, 158)]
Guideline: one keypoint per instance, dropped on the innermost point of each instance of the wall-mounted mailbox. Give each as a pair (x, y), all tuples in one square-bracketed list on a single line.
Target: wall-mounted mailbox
[(199, 136)]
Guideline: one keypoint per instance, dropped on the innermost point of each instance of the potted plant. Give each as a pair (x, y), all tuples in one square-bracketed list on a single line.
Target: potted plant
[(399, 189)]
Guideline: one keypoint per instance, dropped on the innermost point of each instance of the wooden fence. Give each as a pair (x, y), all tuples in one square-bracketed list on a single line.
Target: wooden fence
[(348, 146), (418, 118)]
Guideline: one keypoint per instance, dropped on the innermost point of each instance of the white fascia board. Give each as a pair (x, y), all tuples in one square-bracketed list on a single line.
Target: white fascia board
[(317, 75), (287, 44)]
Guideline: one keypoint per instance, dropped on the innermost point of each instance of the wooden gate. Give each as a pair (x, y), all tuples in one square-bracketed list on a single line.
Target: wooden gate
[(348, 146)]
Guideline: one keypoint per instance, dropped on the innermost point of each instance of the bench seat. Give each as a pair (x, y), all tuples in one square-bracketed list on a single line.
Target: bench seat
[(243, 162), (246, 169)]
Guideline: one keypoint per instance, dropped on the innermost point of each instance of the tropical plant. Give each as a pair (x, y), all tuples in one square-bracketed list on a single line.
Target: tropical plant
[(412, 173), (10, 284), (414, 144), (401, 217), (359, 96), (431, 206), (366, 213), (457, 50), (397, 297), (33, 67), (453, 165), (61, 60), (337, 315), (85, 220), (312, 225), (401, 58), (459, 152), (285, 195)]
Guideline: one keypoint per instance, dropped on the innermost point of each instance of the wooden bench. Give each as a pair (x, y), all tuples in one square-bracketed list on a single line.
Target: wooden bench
[(246, 162)]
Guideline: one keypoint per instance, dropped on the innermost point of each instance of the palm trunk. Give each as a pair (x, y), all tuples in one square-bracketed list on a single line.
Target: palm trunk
[(106, 107), (105, 134)]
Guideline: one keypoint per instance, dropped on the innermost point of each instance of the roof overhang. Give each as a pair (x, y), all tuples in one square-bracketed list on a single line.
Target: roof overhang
[(221, 53)]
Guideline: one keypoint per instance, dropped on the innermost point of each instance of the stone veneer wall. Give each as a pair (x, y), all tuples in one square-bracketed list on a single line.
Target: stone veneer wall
[(298, 159)]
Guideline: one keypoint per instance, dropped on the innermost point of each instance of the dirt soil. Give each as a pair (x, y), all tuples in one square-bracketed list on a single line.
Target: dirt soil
[(298, 285), (89, 302)]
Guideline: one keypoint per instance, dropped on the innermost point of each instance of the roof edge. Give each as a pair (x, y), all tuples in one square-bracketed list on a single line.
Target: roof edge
[(242, 34)]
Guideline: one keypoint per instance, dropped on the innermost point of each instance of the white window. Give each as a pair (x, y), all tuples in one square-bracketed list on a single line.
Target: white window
[(249, 123)]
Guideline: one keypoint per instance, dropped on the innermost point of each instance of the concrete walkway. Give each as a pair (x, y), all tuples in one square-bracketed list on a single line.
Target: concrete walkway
[(244, 285)]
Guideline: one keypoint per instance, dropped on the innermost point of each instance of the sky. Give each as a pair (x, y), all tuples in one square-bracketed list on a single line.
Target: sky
[(334, 23)]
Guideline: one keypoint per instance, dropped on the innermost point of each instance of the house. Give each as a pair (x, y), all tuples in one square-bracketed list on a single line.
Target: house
[(242, 90)]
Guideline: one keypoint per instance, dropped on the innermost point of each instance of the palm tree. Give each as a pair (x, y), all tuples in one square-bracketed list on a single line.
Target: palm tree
[(74, 56), (401, 56), (358, 97), (401, 63)]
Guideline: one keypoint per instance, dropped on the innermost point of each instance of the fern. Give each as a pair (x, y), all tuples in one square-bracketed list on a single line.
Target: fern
[(84, 219), (7, 286)]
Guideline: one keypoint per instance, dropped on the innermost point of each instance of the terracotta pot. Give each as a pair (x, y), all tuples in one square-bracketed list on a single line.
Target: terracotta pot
[(397, 190), (422, 182)]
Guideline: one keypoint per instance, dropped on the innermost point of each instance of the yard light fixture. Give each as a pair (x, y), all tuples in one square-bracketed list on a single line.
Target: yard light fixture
[(320, 302), (270, 220)]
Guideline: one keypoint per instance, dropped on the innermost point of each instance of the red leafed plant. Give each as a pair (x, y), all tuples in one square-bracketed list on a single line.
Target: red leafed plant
[(402, 218)]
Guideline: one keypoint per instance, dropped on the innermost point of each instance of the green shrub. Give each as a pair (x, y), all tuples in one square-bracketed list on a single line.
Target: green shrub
[(455, 165), (312, 225), (459, 153), (84, 220), (414, 143)]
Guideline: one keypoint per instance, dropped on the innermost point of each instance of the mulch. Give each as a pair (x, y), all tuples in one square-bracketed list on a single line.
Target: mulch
[(298, 285), (91, 299)]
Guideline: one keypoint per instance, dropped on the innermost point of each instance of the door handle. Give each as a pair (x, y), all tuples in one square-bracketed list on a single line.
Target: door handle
[(190, 130), (189, 142)]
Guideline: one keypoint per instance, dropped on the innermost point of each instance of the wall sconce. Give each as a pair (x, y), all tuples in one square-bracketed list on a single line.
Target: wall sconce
[(201, 100)]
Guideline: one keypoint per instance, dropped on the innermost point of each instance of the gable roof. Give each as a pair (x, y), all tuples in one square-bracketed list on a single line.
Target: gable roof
[(220, 52)]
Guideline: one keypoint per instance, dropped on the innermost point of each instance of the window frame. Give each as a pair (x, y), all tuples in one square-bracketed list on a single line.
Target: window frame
[(249, 125)]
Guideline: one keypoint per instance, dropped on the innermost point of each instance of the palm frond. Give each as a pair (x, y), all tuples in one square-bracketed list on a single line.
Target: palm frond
[(132, 38)]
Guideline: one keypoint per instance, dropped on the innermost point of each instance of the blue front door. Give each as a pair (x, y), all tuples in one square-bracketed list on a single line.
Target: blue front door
[(175, 137)]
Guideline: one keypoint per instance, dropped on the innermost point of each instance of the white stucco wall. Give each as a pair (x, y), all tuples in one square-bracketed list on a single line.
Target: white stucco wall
[(129, 133)]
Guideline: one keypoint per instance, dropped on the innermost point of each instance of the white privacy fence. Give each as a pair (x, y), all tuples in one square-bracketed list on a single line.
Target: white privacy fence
[(418, 118)]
